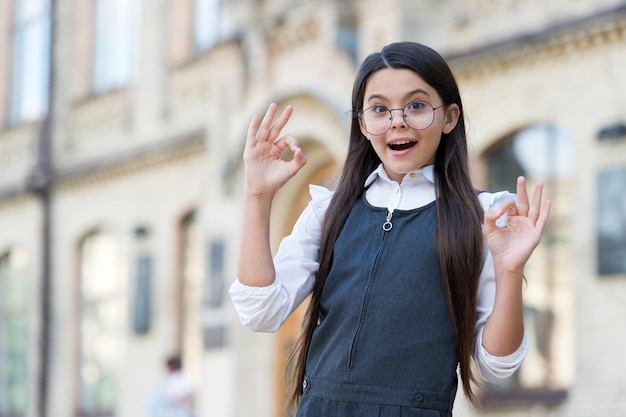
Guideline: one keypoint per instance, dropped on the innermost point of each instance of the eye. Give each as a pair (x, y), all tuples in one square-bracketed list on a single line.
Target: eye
[(416, 105), (379, 109)]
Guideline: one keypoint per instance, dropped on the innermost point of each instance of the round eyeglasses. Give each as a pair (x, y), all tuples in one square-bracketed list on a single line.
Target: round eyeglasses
[(418, 115)]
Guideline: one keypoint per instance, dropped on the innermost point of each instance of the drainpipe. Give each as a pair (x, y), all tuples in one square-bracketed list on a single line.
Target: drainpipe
[(39, 183), (42, 191)]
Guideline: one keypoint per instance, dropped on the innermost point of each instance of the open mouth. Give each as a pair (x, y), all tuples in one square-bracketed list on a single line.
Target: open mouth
[(402, 145)]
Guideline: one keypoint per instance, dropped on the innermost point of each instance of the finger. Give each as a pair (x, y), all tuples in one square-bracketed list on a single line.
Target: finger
[(493, 217), (298, 161), (264, 129), (280, 123), (543, 216), (490, 222), (522, 196), (252, 130), (287, 141), (535, 208), (510, 207)]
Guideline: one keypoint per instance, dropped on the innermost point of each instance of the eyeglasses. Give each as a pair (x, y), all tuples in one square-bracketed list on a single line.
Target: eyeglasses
[(378, 119)]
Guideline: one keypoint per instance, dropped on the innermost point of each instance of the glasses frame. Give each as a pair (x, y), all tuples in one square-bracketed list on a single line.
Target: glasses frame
[(360, 115)]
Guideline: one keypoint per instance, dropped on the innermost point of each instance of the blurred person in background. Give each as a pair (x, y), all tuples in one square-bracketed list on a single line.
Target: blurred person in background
[(174, 395)]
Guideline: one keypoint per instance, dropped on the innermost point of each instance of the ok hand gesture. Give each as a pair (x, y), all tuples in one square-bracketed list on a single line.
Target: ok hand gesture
[(512, 245), (266, 172)]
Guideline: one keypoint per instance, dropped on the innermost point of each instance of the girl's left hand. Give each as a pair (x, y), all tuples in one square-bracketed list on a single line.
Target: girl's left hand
[(512, 244)]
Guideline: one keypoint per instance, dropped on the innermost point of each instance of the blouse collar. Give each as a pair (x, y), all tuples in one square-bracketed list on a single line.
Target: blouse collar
[(427, 172)]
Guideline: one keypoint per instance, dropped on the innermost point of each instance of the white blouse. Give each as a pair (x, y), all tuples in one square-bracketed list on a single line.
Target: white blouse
[(296, 263)]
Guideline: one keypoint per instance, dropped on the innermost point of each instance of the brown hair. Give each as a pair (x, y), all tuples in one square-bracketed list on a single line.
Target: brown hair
[(459, 213), (174, 363)]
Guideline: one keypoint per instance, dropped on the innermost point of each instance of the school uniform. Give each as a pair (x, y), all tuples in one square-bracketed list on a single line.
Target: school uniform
[(384, 345)]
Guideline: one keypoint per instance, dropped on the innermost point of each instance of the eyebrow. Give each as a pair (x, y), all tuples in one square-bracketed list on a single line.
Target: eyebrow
[(407, 95)]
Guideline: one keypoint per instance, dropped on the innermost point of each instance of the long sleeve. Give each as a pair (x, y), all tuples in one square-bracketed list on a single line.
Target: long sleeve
[(492, 368), (296, 262)]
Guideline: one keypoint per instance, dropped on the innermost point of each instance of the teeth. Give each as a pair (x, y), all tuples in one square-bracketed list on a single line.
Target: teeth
[(403, 142)]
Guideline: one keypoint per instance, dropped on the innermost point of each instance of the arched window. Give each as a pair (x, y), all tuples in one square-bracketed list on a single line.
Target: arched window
[(541, 153), (103, 323), (14, 332)]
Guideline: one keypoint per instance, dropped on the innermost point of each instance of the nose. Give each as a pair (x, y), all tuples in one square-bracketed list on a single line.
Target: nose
[(397, 121)]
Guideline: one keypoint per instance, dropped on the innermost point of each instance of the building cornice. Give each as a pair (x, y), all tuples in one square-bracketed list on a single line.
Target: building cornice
[(13, 192), (576, 35), (184, 145)]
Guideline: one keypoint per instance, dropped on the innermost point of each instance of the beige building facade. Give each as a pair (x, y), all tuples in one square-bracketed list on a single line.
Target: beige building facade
[(121, 183)]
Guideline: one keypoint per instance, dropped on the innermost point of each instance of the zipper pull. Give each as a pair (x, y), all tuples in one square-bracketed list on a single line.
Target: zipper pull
[(387, 225)]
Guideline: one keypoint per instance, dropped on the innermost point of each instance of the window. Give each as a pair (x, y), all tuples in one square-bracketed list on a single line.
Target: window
[(347, 31), (192, 274), (205, 24), (31, 61), (115, 43), (188, 296), (543, 153), (13, 334), (539, 152), (103, 323), (611, 222)]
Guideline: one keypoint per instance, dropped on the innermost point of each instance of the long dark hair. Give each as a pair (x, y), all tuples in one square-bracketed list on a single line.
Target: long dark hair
[(459, 213)]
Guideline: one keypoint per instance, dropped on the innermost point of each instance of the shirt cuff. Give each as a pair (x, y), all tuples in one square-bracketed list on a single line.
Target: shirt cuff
[(495, 369), (256, 307)]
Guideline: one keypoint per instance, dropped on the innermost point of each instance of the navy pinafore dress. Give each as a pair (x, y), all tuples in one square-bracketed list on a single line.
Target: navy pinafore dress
[(384, 346)]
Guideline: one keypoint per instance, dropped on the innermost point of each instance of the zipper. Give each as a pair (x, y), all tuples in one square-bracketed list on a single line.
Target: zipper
[(387, 225)]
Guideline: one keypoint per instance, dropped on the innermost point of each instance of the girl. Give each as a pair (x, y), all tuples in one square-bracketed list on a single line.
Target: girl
[(409, 273)]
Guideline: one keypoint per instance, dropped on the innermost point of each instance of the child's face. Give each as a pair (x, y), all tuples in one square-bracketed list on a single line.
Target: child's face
[(403, 148)]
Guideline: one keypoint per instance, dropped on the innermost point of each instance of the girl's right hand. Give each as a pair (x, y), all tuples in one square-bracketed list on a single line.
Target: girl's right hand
[(266, 172)]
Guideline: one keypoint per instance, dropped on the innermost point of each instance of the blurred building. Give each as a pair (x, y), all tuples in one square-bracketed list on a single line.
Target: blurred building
[(122, 124)]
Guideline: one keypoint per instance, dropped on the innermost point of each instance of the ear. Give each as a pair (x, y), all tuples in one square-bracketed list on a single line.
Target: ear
[(452, 113)]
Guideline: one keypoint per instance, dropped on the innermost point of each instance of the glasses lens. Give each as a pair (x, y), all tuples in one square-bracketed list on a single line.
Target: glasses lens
[(376, 120), (419, 115)]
